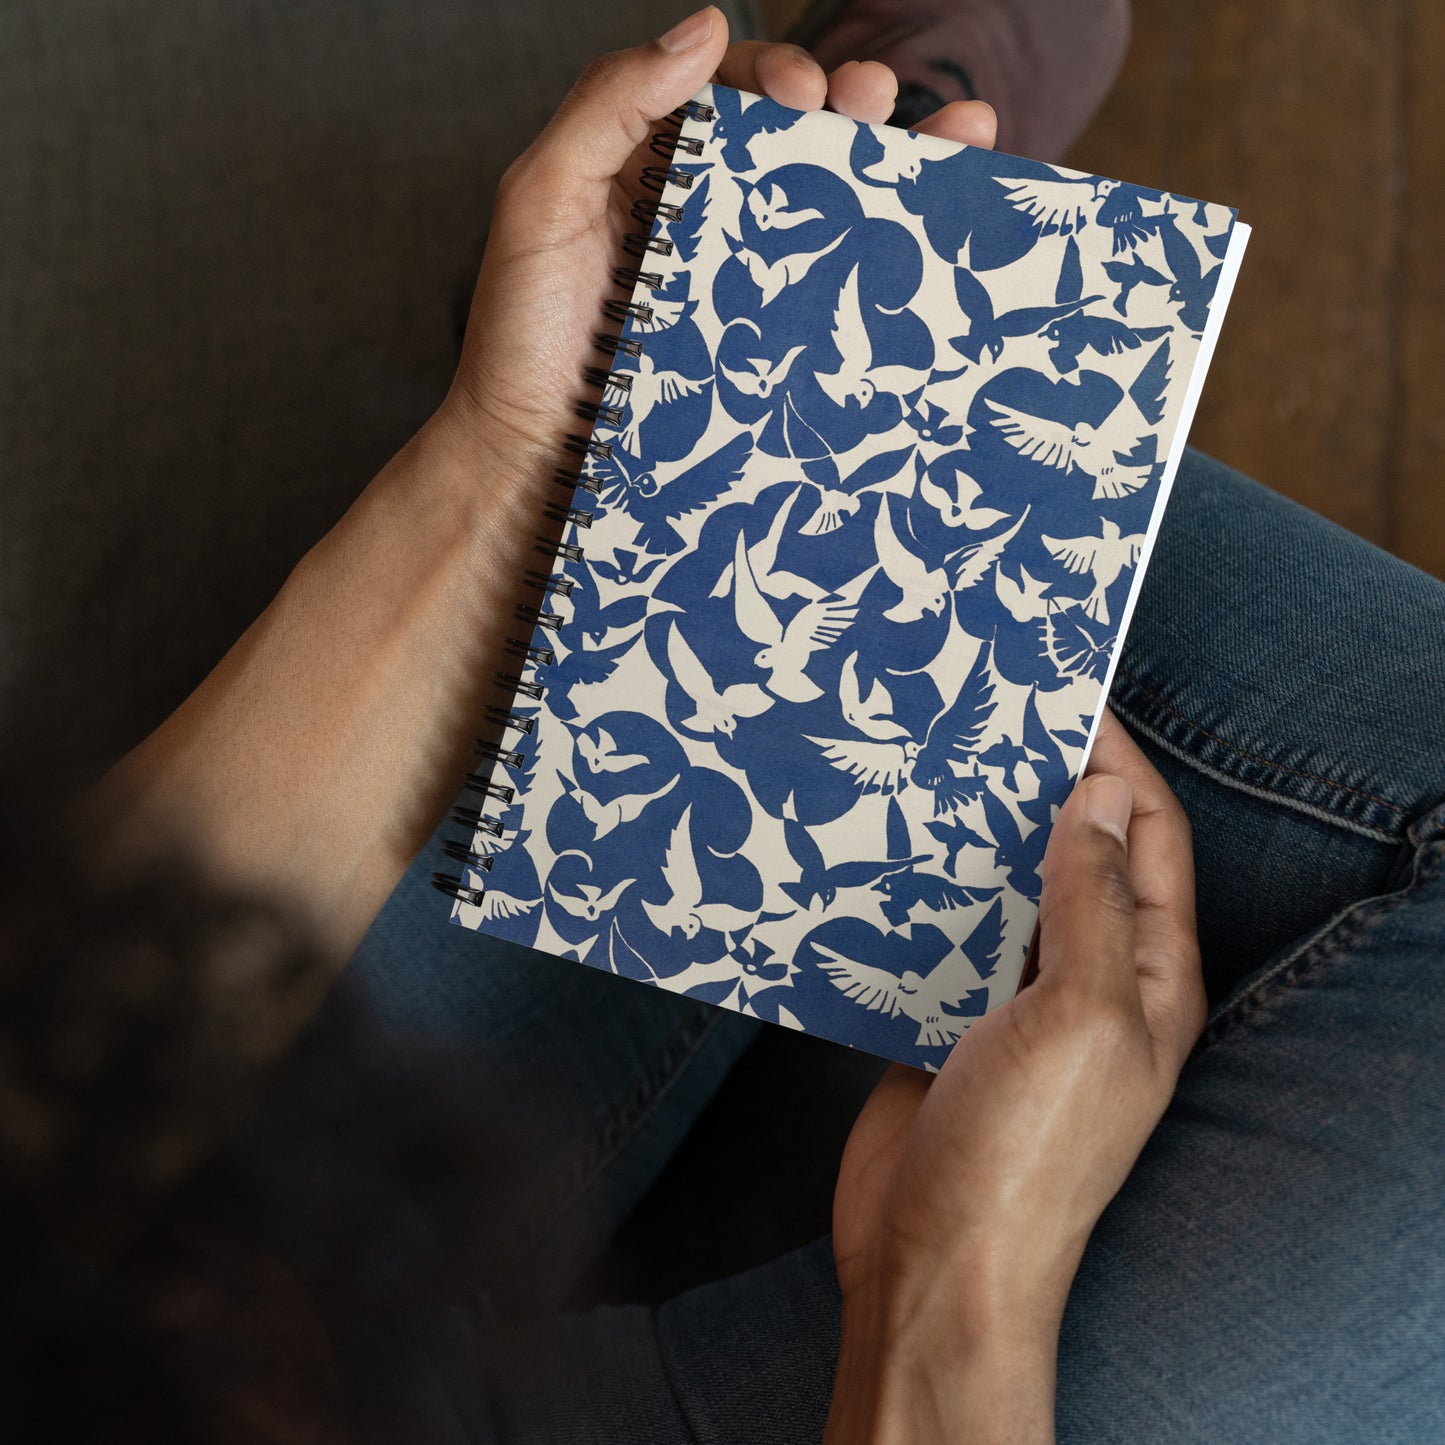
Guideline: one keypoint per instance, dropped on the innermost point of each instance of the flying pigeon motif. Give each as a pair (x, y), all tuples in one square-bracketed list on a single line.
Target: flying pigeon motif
[(604, 817), (956, 836), (888, 767), (1057, 207), (855, 379), (766, 376), (931, 1001), (924, 589), (716, 711), (1119, 455), (649, 389), (763, 558), (1026, 599), (771, 278), (959, 510), (683, 911), (1103, 557), (873, 715), (590, 902), (816, 881), (602, 756), (772, 212), (661, 496), (987, 333), (1130, 274), (784, 651)]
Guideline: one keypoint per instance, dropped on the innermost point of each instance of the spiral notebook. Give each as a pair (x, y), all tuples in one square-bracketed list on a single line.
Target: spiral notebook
[(883, 442)]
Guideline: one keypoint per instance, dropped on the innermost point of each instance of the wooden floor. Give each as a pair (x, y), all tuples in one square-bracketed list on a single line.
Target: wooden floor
[(1323, 123)]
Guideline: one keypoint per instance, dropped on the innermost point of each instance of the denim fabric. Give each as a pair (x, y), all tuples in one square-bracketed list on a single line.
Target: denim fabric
[(1274, 1268)]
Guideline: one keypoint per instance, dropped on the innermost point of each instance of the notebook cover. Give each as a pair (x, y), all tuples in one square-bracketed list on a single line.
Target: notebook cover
[(893, 455)]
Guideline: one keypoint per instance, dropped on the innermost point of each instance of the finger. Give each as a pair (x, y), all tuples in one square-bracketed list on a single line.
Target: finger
[(613, 107), (970, 122), (863, 90), (1161, 870), (785, 73), (1086, 914)]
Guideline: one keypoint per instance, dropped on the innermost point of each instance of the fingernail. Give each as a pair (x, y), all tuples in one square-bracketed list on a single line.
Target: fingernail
[(687, 33), (1108, 802)]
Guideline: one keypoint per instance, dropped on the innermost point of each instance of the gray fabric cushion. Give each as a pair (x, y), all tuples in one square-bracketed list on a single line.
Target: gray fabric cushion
[(235, 236)]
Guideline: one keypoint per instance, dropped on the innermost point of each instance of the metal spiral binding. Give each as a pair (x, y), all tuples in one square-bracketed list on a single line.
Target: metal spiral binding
[(609, 410)]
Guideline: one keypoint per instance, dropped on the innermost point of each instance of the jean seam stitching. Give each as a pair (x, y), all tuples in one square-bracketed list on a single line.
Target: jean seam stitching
[(1252, 790), (1329, 942), (1256, 757)]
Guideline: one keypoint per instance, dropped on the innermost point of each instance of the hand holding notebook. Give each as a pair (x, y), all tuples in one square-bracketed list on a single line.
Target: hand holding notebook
[(882, 446)]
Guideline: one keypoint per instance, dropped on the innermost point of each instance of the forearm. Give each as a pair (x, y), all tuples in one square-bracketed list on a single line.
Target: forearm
[(316, 758)]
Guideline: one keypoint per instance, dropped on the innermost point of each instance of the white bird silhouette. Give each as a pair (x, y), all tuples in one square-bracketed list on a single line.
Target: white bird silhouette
[(1102, 557), (766, 376), (604, 817), (923, 998), (496, 906), (716, 711), (763, 557), (902, 157), (833, 506), (855, 378), (876, 767), (873, 715), (649, 387), (978, 557), (684, 909), (771, 211), (771, 277), (959, 510), (603, 757), (1025, 599), (1057, 207), (784, 652), (923, 589), (1120, 455), (592, 902)]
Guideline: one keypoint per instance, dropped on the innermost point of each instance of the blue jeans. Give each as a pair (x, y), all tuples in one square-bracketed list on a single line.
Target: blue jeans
[(1274, 1267)]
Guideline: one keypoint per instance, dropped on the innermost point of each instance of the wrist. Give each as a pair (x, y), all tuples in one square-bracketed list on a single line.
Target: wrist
[(942, 1377), (966, 1352)]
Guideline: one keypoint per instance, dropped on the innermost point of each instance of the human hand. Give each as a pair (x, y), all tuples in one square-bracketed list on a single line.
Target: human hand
[(562, 211), (965, 1200)]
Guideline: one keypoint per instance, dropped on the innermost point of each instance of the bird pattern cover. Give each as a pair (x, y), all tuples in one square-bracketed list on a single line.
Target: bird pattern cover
[(876, 510)]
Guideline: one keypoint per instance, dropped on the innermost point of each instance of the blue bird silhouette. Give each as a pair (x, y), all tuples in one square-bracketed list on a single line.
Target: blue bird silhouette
[(1129, 274), (987, 331), (737, 127), (952, 737), (629, 569), (658, 497), (1123, 214), (901, 891), (955, 836), (1020, 855), (1007, 754), (821, 883), (1192, 287), (1073, 335), (1077, 645)]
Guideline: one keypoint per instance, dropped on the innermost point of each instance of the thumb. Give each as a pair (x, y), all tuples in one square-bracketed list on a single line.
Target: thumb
[(615, 103), (1086, 916)]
